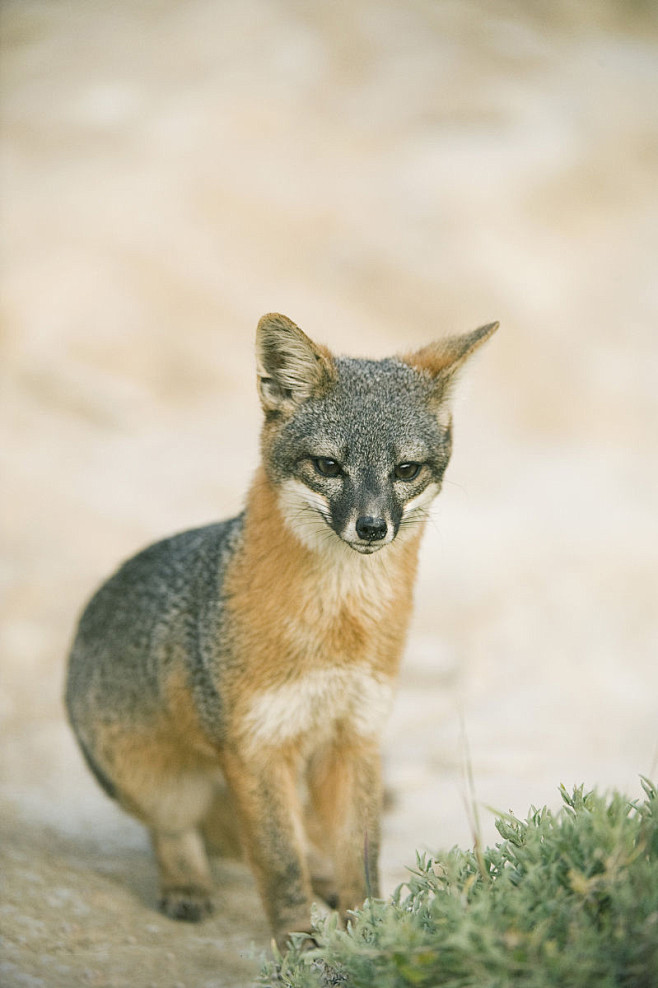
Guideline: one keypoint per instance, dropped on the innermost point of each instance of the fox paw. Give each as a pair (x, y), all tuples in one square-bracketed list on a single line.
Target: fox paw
[(326, 890), (188, 904), (284, 941)]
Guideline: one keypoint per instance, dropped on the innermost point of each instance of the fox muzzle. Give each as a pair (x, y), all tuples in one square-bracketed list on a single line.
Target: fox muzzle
[(371, 529)]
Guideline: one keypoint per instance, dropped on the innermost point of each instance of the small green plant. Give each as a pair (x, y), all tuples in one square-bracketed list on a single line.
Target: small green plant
[(566, 899)]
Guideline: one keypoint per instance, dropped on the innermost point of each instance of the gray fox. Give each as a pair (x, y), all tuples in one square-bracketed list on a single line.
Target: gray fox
[(264, 649)]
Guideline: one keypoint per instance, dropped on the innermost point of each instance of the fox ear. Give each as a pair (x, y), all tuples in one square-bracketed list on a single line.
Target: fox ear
[(291, 367), (443, 358)]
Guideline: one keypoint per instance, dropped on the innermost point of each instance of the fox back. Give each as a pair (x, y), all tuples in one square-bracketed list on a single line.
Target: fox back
[(264, 649)]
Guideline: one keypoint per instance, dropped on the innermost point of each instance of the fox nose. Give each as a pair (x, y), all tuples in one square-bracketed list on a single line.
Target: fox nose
[(371, 529)]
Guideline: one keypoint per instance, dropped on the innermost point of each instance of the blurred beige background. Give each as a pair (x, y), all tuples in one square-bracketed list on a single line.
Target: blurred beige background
[(383, 172)]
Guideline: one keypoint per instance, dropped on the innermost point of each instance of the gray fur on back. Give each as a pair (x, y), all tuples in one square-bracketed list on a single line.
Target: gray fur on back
[(165, 600)]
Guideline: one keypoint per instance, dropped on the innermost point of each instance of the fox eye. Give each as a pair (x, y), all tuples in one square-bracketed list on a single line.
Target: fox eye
[(327, 467), (407, 471)]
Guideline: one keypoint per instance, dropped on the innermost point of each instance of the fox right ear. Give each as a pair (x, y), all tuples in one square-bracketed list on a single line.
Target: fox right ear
[(291, 367), (442, 359)]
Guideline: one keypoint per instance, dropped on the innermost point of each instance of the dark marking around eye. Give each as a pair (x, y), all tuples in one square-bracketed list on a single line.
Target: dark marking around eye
[(407, 471), (327, 467)]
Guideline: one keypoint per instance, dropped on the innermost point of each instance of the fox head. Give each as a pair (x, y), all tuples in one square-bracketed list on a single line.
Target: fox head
[(356, 448)]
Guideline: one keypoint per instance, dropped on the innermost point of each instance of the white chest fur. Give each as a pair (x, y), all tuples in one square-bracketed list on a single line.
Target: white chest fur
[(313, 706)]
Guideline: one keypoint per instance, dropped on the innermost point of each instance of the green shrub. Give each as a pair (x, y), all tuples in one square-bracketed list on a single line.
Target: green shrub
[(566, 899)]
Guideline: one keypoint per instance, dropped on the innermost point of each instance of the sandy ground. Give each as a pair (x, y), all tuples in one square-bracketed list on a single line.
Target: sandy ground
[(383, 172)]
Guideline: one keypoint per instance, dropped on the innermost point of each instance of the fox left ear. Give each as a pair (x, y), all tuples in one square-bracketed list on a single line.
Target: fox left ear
[(443, 358), (291, 367)]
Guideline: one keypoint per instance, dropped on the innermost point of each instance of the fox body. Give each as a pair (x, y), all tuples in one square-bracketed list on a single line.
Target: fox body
[(265, 649)]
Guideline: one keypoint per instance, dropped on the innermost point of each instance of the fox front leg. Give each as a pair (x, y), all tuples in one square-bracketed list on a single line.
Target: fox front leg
[(265, 792), (346, 792)]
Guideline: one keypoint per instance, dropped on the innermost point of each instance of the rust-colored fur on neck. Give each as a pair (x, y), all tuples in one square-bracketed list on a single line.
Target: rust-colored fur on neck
[(295, 607)]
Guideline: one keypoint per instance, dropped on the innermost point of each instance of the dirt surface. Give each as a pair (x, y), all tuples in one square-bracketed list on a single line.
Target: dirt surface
[(383, 172)]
